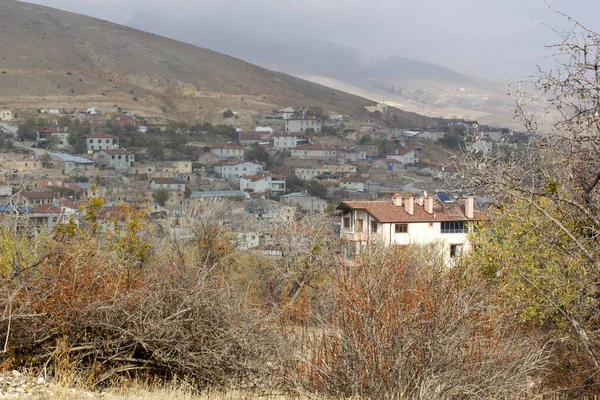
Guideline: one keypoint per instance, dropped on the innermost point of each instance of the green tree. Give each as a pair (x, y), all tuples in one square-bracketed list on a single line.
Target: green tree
[(294, 184), (364, 140), (27, 130), (257, 153), (227, 113), (316, 188), (161, 197)]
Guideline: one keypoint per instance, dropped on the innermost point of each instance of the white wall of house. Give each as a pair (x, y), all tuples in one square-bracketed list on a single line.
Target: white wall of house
[(95, 144), (233, 172), (408, 158), (353, 186), (308, 174), (284, 142), (168, 186), (264, 185), (301, 125), (314, 154), (420, 233), (228, 152)]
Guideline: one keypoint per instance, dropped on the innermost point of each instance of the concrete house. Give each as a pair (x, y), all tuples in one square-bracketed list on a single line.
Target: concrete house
[(228, 150), (70, 164), (305, 201), (62, 135), (233, 170), (405, 221), (354, 184), (288, 140), (263, 183), (350, 154), (169, 184), (405, 156), (315, 151), (301, 124), (36, 199), (119, 159), (102, 141)]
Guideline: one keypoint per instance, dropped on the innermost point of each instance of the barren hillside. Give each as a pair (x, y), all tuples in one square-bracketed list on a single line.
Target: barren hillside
[(55, 59)]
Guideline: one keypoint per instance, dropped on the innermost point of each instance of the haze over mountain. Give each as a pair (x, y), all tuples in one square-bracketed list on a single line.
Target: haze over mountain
[(57, 59)]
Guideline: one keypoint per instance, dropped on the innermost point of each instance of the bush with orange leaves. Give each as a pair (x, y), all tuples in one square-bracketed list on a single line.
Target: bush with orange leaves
[(94, 304), (402, 327)]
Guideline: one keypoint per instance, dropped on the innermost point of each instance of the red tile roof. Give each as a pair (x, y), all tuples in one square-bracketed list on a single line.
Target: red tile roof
[(38, 195), (102, 136), (47, 209), (225, 146), (386, 211), (401, 152)]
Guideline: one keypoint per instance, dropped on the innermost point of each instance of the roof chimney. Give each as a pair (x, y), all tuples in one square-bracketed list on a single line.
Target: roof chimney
[(420, 200), (428, 205), (409, 205), (397, 200), (469, 207)]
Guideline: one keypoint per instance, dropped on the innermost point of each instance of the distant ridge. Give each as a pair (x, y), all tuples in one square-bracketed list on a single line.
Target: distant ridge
[(53, 58)]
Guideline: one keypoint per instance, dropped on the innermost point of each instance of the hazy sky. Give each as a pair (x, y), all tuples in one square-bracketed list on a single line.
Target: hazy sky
[(495, 38)]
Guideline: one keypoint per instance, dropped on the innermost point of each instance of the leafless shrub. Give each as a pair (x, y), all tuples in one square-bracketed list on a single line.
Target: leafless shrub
[(402, 328)]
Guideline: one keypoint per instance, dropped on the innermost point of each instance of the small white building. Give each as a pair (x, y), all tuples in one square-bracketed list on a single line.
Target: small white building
[(432, 136), (336, 117), (288, 140), (354, 184), (102, 141), (119, 159), (69, 164), (233, 170), (228, 150), (406, 221), (301, 124), (168, 184), (405, 156), (6, 115), (315, 151), (263, 183)]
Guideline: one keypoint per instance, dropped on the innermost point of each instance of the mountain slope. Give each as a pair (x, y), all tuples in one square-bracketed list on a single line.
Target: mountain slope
[(410, 84), (56, 59)]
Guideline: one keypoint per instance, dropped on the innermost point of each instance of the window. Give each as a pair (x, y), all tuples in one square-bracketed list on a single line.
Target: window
[(119, 157), (454, 227), (374, 226), (401, 228), (455, 250), (346, 223), (359, 225)]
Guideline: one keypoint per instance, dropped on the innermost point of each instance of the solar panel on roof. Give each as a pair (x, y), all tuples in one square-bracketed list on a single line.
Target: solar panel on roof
[(443, 197)]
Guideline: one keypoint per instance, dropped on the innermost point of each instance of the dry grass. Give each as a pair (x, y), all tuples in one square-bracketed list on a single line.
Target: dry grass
[(172, 391)]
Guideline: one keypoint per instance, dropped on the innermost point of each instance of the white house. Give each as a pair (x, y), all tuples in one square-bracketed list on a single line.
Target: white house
[(354, 184), (314, 151), (301, 124), (432, 136), (263, 183), (228, 150), (288, 140), (119, 159), (169, 184), (405, 221), (232, 170), (405, 156), (308, 174), (100, 141)]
